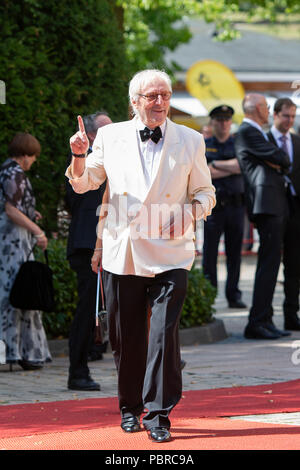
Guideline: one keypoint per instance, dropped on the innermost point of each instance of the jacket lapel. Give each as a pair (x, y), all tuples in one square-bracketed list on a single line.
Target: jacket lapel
[(296, 152), (132, 165), (271, 138)]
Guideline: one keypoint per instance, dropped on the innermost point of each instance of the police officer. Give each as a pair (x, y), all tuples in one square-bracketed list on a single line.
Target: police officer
[(228, 215)]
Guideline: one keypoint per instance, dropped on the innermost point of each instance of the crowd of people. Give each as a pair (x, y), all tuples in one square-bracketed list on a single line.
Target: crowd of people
[(117, 174), (256, 171)]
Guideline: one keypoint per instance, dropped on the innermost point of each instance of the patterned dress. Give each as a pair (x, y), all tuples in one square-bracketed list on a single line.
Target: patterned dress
[(21, 330)]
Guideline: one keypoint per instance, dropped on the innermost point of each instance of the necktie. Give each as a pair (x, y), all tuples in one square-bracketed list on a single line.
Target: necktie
[(284, 147), (154, 135)]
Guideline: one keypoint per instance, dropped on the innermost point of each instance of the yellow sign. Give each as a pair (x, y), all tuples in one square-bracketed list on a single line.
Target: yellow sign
[(215, 84)]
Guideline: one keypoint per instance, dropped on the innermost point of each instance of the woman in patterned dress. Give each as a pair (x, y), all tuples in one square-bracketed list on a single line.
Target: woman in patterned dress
[(21, 330)]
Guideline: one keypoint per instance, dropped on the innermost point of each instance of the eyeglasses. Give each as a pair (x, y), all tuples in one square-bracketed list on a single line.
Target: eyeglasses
[(153, 97)]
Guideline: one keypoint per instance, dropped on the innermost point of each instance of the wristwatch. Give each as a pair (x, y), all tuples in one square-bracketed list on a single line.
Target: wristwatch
[(79, 155)]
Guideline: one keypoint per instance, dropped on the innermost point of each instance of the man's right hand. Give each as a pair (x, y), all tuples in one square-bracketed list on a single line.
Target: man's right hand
[(96, 261), (79, 142)]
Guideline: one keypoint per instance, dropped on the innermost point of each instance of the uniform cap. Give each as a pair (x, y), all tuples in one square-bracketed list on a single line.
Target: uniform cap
[(222, 111)]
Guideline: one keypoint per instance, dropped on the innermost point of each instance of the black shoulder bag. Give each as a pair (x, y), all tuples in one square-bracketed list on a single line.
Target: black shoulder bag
[(33, 286)]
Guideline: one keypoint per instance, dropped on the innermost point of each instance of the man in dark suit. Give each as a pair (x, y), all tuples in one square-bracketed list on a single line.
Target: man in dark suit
[(81, 244), (284, 117), (263, 166)]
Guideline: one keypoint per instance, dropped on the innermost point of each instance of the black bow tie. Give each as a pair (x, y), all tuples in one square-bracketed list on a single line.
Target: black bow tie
[(154, 135)]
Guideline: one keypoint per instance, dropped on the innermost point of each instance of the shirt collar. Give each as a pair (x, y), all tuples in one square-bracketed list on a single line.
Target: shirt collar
[(253, 123), (277, 134)]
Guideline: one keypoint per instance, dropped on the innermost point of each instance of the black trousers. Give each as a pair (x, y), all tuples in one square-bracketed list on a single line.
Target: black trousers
[(230, 221), (270, 229), (82, 328), (291, 261), (148, 363)]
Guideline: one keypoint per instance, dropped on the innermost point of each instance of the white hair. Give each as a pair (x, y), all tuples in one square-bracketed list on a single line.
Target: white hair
[(250, 102), (141, 79)]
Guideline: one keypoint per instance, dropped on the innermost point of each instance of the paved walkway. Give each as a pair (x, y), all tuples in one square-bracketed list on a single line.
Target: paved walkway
[(231, 362)]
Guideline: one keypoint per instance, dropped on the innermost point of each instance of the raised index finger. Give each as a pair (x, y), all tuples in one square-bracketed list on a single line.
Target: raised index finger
[(80, 124)]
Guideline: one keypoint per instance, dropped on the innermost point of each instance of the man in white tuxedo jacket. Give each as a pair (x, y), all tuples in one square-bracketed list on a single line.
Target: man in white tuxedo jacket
[(158, 184)]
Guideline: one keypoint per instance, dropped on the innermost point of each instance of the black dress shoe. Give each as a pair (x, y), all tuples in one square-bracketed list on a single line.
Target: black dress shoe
[(237, 304), (292, 324), (275, 330), (182, 364), (260, 332), (84, 384), (159, 434), (131, 424), (30, 365), (95, 356)]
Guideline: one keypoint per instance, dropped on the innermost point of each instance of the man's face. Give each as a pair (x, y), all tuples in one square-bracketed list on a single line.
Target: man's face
[(152, 107), (221, 126), (284, 119)]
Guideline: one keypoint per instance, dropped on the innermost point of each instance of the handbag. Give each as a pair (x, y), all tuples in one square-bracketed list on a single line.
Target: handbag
[(101, 328), (33, 286)]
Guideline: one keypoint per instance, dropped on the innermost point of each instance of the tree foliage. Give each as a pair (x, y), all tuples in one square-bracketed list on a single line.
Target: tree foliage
[(58, 59), (152, 27)]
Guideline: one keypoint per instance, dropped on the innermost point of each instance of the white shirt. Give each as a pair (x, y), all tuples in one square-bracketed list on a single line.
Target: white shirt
[(150, 153), (277, 135)]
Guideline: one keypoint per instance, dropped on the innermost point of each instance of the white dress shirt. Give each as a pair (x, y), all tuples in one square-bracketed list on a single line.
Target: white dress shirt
[(277, 136), (150, 153)]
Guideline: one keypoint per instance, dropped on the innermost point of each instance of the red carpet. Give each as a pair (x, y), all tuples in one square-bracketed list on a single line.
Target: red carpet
[(94, 423), (190, 434)]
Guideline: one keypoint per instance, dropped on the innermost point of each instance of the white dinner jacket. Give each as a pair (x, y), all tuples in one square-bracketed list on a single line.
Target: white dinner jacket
[(182, 176)]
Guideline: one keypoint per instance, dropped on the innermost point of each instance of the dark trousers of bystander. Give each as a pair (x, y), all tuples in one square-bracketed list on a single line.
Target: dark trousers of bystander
[(227, 220), (291, 262), (82, 328)]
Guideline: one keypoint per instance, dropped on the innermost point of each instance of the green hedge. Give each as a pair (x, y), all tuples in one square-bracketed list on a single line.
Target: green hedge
[(197, 310), (198, 306), (58, 59)]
